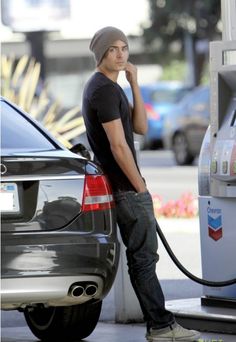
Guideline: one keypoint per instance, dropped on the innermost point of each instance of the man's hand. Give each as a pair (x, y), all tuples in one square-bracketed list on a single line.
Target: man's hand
[(131, 73), (139, 115)]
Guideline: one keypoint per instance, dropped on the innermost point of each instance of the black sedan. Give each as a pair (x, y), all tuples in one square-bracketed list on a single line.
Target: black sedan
[(186, 125), (59, 242)]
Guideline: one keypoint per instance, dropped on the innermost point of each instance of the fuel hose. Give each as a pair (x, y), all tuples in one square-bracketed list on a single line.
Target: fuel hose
[(185, 271)]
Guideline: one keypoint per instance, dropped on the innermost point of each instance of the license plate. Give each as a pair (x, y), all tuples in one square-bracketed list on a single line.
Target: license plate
[(9, 198)]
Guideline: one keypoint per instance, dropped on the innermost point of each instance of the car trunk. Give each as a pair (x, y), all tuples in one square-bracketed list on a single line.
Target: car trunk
[(41, 193)]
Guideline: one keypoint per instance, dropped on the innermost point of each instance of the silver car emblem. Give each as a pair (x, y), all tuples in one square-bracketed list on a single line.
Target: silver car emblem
[(3, 169)]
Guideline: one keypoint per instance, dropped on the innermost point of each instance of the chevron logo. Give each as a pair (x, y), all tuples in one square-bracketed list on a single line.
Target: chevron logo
[(215, 230)]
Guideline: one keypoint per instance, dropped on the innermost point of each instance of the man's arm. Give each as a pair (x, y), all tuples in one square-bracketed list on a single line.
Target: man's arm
[(122, 153), (139, 115)]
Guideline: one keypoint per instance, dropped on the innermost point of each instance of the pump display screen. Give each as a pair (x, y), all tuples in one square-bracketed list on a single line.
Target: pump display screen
[(229, 57)]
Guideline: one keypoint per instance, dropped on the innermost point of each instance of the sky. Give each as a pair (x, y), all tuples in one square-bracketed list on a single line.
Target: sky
[(87, 16)]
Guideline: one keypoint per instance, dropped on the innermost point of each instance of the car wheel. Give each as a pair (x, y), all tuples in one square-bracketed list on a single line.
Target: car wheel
[(67, 323), (181, 151)]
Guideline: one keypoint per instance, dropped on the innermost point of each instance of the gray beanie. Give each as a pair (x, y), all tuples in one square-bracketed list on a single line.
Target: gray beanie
[(103, 39)]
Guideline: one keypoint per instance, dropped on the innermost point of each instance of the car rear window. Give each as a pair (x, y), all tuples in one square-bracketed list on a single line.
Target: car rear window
[(19, 135)]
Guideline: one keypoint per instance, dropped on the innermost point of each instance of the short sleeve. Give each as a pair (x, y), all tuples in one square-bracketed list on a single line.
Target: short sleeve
[(106, 102)]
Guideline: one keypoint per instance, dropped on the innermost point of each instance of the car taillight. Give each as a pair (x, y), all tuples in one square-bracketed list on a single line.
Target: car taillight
[(151, 113), (97, 193)]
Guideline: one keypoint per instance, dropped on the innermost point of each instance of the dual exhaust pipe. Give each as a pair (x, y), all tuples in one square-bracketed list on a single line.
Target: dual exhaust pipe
[(83, 289)]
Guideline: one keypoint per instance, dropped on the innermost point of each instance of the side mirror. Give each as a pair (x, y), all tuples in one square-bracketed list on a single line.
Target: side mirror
[(81, 149)]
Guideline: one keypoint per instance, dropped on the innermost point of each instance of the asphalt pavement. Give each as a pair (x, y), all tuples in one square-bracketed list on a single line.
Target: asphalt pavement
[(107, 332)]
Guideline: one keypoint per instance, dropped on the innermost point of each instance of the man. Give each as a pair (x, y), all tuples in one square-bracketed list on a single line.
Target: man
[(110, 122)]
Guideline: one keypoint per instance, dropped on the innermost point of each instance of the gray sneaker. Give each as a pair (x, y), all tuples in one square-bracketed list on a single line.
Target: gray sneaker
[(172, 333)]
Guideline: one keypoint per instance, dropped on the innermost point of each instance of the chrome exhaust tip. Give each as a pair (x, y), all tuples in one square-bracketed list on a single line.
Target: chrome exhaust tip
[(76, 291), (91, 290)]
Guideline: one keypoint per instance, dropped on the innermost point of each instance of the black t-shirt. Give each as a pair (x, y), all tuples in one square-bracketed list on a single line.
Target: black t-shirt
[(104, 101)]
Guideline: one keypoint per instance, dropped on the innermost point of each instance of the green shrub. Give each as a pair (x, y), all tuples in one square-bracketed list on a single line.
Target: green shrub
[(21, 84)]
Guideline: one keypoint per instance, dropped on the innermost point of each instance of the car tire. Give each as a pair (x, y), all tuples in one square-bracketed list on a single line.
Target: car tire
[(181, 150), (67, 323)]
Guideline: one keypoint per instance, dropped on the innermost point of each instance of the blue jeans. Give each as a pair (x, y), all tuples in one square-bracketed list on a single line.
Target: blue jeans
[(137, 224)]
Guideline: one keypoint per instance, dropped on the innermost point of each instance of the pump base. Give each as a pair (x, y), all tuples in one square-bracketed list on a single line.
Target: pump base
[(219, 302), (191, 314)]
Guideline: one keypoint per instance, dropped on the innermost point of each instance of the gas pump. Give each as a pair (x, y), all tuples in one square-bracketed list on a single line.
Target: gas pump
[(217, 169)]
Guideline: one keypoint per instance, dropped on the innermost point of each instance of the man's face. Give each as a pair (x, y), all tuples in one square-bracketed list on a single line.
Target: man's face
[(116, 57)]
